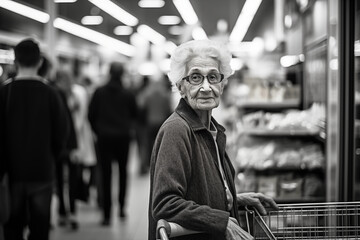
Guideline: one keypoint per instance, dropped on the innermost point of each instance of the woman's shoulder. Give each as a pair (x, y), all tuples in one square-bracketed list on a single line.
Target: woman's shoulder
[(175, 123)]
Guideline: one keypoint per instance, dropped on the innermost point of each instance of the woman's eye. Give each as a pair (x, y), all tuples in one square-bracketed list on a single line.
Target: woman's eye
[(196, 77), (212, 76)]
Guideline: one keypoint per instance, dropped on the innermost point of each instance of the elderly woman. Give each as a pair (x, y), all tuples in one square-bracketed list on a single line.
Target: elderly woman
[(192, 178)]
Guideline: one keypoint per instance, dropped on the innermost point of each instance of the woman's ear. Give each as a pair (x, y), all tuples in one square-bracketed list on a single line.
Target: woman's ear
[(180, 88)]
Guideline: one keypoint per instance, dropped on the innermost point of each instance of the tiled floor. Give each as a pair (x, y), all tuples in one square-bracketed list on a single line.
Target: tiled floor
[(89, 216)]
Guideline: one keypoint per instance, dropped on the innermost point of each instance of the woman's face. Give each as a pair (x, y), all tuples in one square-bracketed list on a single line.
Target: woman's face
[(205, 96)]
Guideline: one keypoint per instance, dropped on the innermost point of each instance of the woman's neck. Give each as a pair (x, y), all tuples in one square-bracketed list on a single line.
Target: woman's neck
[(205, 117)]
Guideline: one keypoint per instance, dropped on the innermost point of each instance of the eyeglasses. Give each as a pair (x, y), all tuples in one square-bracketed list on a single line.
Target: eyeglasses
[(197, 78)]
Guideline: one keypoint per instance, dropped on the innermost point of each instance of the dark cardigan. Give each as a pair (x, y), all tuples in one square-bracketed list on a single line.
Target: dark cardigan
[(186, 185)]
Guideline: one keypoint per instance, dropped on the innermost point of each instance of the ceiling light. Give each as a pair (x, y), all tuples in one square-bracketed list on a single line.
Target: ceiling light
[(147, 69), (244, 20), (94, 36), (151, 3), (175, 30), (170, 47), (116, 12), (169, 20), (186, 11), (92, 20), (25, 11), (65, 1), (150, 34), (198, 33), (123, 30)]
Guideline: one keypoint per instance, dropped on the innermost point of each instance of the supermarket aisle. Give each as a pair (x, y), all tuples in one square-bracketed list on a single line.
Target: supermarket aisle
[(89, 216)]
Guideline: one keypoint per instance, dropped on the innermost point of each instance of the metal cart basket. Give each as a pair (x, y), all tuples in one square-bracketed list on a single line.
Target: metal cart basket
[(309, 221), (333, 220)]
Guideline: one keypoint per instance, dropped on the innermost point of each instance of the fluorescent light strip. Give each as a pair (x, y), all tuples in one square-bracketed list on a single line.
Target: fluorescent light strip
[(150, 34), (123, 30), (244, 20), (71, 28), (25, 11), (198, 33), (176, 30), (169, 20), (94, 36), (186, 11), (116, 12), (92, 20), (64, 1), (151, 3), (170, 47)]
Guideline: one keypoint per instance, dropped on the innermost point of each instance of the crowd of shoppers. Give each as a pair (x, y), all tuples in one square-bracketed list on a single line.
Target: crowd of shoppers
[(53, 128)]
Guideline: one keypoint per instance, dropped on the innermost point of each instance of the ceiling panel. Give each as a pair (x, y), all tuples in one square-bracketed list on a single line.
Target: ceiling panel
[(208, 11)]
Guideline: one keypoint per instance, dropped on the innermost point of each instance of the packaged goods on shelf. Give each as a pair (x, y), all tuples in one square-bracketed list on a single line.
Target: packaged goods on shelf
[(290, 188), (260, 154), (268, 185), (246, 182), (309, 120)]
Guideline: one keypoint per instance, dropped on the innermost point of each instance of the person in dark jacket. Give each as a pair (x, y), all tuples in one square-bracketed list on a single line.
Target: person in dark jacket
[(192, 177), (112, 114), (33, 132)]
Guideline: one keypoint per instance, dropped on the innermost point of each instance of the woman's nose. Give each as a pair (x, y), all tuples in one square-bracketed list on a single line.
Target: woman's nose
[(205, 86)]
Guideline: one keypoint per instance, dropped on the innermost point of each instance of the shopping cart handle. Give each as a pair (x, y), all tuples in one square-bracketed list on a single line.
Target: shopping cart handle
[(163, 230), (167, 229)]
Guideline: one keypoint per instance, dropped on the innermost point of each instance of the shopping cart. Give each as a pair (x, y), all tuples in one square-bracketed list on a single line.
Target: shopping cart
[(309, 221), (333, 220)]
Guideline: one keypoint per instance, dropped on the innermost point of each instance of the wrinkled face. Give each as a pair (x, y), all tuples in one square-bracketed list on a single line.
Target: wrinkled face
[(205, 96)]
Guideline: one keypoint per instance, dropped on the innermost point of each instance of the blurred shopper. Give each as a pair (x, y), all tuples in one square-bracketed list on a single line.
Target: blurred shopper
[(112, 113), (192, 177), (33, 134), (141, 130), (155, 102), (66, 169), (84, 156), (86, 153)]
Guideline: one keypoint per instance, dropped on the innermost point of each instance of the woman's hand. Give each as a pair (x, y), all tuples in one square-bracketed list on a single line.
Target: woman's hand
[(257, 200), (235, 232)]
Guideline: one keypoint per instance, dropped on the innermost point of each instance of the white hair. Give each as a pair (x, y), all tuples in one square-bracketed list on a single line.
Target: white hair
[(198, 48)]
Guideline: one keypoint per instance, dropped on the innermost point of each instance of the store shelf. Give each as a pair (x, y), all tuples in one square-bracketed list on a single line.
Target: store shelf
[(270, 105), (281, 169), (282, 132)]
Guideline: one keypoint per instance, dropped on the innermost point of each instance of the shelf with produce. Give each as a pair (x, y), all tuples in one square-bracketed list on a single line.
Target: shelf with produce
[(284, 186), (264, 105), (281, 169), (316, 134), (263, 132)]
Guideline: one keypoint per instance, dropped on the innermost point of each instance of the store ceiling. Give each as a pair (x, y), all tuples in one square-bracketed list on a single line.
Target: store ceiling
[(209, 13)]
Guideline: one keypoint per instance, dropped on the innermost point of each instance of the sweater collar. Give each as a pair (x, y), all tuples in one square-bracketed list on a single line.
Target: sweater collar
[(190, 116)]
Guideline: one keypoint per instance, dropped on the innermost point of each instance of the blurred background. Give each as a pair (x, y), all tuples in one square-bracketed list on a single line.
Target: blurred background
[(291, 108)]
